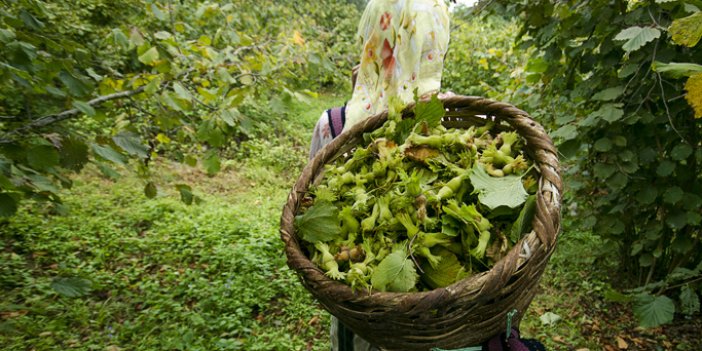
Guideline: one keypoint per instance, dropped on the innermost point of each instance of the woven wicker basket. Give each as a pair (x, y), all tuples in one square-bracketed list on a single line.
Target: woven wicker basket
[(469, 311)]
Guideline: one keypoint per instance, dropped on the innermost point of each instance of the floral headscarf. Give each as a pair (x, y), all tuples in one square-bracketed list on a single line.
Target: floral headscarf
[(404, 43)]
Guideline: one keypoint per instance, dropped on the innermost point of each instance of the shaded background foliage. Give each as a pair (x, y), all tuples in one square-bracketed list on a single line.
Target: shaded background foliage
[(627, 129)]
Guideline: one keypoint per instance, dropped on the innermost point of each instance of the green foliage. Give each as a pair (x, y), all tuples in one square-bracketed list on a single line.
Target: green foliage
[(124, 271), (128, 83), (482, 59), (613, 82)]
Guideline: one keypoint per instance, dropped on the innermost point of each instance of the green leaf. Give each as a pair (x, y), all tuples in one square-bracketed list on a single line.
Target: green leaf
[(153, 85), (618, 181), (131, 143), (107, 171), (676, 69), (537, 65), (76, 86), (494, 192), (211, 163), (149, 57), (689, 300), (6, 35), (163, 35), (647, 195), (42, 157), (673, 195), (320, 223), (84, 107), (186, 193), (693, 218), (616, 296), (681, 152), (181, 91), (566, 132), (30, 21), (647, 155), (677, 220), (609, 94), (603, 144), (396, 272), (8, 205), (609, 112), (119, 38), (636, 37), (523, 222), (653, 311), (430, 112), (109, 154), (665, 168), (190, 160), (687, 31), (209, 133), (158, 13), (71, 286), (603, 170), (150, 190)]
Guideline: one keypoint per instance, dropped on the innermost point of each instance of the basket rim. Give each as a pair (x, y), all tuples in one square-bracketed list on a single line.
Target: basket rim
[(541, 239)]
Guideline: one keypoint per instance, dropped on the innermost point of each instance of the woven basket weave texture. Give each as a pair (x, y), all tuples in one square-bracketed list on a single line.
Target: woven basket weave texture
[(469, 311)]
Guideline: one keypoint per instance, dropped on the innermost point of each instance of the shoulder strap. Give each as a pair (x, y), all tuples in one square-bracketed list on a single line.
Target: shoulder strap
[(337, 119)]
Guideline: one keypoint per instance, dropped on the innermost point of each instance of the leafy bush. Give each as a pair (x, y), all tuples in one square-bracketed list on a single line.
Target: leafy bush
[(159, 79), (482, 59), (623, 110)]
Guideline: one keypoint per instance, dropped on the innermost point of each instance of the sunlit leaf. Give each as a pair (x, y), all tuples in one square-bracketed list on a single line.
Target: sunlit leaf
[(494, 192), (677, 69), (693, 86), (396, 272), (687, 31), (549, 318), (636, 37), (150, 56)]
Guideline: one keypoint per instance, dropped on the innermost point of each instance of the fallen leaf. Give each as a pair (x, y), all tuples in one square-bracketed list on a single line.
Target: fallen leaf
[(549, 318), (584, 349), (314, 320), (610, 348), (558, 339), (621, 343)]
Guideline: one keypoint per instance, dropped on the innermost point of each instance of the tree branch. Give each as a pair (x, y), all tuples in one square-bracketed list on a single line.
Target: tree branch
[(49, 119)]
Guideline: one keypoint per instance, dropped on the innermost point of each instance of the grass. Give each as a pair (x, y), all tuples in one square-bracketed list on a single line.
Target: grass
[(156, 274)]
